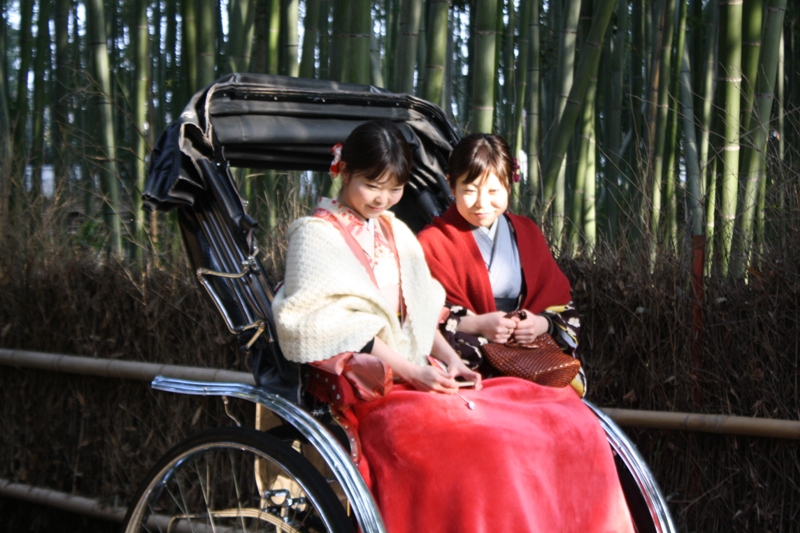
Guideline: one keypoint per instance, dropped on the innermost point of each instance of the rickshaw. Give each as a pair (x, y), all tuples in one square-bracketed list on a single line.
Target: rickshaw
[(300, 475)]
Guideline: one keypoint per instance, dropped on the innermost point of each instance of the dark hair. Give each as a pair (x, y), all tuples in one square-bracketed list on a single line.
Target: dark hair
[(477, 154), (375, 148)]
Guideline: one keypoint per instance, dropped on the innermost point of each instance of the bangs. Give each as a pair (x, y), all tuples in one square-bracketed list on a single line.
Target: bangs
[(378, 151), (479, 155)]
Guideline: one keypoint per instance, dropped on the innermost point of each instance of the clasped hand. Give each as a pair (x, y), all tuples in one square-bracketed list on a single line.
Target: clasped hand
[(498, 328)]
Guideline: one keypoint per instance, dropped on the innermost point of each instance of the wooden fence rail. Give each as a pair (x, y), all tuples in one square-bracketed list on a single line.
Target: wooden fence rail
[(133, 370)]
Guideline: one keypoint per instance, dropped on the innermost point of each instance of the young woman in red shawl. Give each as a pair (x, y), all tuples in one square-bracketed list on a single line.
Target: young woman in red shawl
[(491, 262)]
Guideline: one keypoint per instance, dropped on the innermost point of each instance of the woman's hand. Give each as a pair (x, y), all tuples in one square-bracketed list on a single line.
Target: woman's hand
[(443, 356), (431, 379), (494, 326), (527, 330), (458, 369)]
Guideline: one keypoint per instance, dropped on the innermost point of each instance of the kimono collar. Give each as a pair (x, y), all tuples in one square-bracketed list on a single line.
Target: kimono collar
[(363, 231)]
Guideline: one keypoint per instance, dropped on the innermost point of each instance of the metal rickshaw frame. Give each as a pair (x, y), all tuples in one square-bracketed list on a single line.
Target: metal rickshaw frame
[(274, 122)]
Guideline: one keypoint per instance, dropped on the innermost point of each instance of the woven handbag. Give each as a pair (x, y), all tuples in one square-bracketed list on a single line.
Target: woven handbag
[(540, 361)]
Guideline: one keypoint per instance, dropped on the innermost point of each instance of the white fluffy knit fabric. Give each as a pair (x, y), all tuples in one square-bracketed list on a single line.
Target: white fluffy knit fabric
[(329, 305)]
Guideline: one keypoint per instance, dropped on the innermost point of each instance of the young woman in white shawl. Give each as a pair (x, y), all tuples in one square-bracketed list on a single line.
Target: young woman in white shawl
[(329, 303)]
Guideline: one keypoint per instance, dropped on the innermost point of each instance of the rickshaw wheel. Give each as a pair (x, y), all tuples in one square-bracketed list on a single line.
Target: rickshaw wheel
[(235, 479)]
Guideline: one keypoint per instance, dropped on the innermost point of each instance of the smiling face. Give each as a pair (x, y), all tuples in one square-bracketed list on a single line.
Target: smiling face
[(369, 198), (482, 201)]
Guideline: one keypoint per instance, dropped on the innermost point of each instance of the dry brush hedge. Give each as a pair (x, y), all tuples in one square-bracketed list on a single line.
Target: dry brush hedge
[(97, 437), (637, 348)]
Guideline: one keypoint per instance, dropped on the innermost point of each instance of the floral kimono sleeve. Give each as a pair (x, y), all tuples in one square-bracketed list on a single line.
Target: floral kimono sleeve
[(466, 346), (565, 325)]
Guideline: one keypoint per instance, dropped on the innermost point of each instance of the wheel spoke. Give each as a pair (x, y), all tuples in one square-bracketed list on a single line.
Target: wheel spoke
[(235, 480)]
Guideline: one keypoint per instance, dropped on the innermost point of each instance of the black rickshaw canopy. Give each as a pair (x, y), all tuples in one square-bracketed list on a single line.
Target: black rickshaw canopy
[(277, 122)]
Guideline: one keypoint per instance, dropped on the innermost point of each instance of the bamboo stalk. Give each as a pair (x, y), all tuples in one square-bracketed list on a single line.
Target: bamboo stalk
[(506, 109), (730, 80), (483, 66), (60, 102), (672, 156), (188, 52), (422, 45), (324, 40), (779, 120), (172, 65), (40, 64), (694, 184), (755, 149), (533, 115), (555, 181), (437, 52), (614, 138), (375, 61), (752, 20), (5, 119), (359, 42), (310, 36), (289, 38), (659, 134), (240, 35), (521, 76), (141, 46), (707, 75), (273, 37), (586, 67), (206, 43), (405, 58), (20, 115), (103, 115)]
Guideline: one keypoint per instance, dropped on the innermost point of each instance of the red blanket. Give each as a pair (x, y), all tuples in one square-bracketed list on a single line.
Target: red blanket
[(527, 459)]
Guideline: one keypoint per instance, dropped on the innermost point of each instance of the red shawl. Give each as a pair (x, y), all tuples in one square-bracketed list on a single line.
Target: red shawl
[(455, 260)]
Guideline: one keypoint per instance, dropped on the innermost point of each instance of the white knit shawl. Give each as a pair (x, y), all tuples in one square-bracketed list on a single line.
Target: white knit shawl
[(328, 304)]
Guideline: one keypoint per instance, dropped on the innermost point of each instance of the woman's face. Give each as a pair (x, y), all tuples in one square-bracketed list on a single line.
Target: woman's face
[(482, 201), (369, 198)]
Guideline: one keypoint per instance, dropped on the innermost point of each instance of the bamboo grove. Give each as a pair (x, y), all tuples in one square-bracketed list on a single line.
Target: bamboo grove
[(655, 123)]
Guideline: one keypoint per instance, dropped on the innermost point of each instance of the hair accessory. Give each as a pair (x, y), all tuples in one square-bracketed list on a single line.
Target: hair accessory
[(515, 170), (336, 150)]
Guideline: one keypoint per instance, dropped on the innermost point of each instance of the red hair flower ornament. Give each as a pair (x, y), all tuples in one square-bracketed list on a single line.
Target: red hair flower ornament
[(336, 150), (515, 170)]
